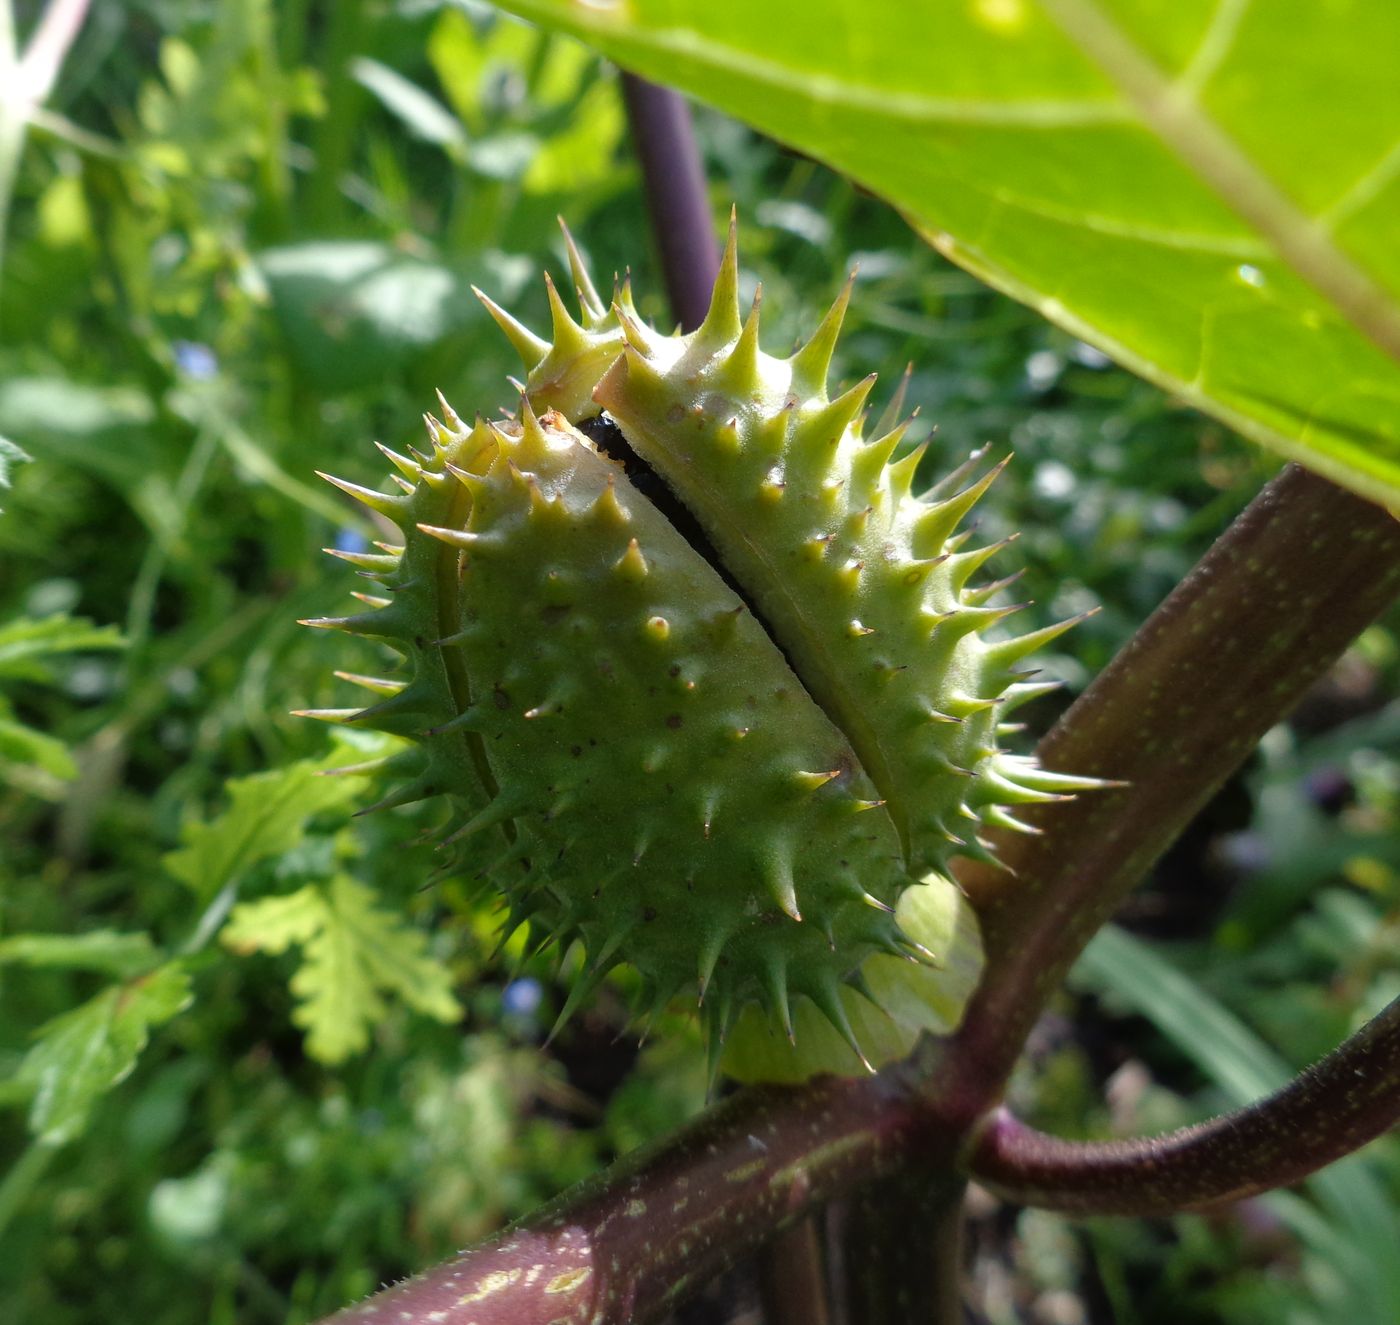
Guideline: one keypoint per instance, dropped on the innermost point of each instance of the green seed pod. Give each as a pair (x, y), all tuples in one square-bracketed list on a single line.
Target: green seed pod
[(725, 775)]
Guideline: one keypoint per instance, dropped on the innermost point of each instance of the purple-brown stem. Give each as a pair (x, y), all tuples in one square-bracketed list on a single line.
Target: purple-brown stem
[(1335, 1107), (792, 1281), (674, 181), (622, 1248), (1268, 610), (903, 1250)]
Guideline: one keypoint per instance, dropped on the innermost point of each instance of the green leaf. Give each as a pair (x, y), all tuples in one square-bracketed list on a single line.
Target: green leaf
[(1221, 1045), (104, 430), (81, 1055), (266, 815), (10, 455), (583, 152), (106, 950), (47, 407), (25, 640), (354, 308), (274, 924), (23, 745), (354, 954), (420, 111), (1206, 191)]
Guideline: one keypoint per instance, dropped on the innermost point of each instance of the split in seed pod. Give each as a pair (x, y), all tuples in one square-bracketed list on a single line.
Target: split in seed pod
[(707, 684)]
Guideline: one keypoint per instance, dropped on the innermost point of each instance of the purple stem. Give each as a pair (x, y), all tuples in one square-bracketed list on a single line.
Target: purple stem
[(1335, 1107), (677, 202), (624, 1247), (903, 1245), (792, 1280), (1268, 610)]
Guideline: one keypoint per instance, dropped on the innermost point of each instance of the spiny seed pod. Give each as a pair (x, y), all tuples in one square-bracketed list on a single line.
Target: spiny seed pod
[(713, 726)]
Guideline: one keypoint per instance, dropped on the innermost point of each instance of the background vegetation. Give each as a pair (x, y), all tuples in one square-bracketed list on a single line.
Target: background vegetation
[(250, 1065)]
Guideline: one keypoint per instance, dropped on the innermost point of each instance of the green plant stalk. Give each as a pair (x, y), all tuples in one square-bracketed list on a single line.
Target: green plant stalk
[(1267, 611), (1336, 1106), (23, 1177), (347, 28)]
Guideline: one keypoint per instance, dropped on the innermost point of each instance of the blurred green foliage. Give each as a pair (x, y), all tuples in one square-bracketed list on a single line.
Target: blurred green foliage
[(239, 247)]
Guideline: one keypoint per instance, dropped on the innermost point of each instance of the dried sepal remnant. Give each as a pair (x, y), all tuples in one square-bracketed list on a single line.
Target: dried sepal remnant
[(725, 775)]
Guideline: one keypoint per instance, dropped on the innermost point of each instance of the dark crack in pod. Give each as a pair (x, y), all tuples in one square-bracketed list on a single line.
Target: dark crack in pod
[(727, 777)]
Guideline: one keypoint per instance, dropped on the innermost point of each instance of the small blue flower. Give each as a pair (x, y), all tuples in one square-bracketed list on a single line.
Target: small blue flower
[(350, 540), (521, 998), (195, 360)]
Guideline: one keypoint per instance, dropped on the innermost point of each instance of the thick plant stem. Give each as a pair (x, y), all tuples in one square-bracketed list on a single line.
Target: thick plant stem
[(623, 1248), (1336, 1106), (674, 180), (792, 1276), (1268, 610), (903, 1241)]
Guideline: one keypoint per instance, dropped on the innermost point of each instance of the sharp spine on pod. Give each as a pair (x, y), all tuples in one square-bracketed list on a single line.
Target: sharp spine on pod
[(583, 687)]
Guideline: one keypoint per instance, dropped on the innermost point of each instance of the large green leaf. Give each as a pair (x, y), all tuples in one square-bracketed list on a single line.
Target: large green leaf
[(1205, 189)]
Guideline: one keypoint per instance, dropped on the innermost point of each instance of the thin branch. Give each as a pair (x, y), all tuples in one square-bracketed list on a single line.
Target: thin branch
[(1335, 1107), (622, 1248), (1229, 653), (674, 180)]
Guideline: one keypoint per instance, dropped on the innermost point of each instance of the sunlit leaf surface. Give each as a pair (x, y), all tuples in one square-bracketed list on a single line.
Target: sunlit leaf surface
[(1206, 190), (354, 953)]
